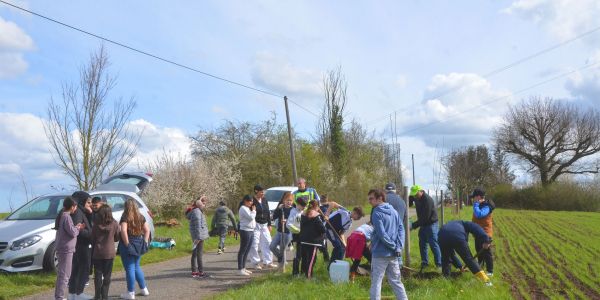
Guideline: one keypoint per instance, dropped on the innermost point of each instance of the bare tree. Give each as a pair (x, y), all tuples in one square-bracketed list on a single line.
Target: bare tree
[(552, 137), (330, 128), (88, 139)]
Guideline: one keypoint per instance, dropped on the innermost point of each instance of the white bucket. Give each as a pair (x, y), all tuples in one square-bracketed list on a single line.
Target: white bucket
[(339, 271)]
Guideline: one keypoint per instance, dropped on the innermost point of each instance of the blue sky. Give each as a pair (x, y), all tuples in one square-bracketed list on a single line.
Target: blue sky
[(395, 54)]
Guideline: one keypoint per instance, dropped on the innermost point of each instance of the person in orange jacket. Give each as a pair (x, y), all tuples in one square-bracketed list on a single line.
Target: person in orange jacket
[(482, 215)]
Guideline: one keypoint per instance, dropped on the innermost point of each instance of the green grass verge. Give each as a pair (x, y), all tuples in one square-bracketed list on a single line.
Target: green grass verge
[(23, 284)]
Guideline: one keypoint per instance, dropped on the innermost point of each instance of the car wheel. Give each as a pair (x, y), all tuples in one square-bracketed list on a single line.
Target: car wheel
[(50, 259)]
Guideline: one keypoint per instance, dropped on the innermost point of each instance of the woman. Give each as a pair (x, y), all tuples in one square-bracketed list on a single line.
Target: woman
[(134, 232), (247, 213), (283, 237), (199, 233), (312, 235), (66, 237), (105, 232)]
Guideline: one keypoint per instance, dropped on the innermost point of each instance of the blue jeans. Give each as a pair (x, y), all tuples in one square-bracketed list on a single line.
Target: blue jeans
[(429, 235), (276, 242), (133, 271)]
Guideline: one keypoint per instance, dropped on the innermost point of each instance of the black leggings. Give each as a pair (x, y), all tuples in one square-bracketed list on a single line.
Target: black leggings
[(102, 273), (246, 238), (309, 258), (80, 272), (356, 262), (197, 257)]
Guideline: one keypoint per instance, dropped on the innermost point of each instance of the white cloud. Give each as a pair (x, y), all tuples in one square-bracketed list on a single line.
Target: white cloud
[(13, 43), (280, 76), (156, 140), (465, 105), (563, 18), (585, 84)]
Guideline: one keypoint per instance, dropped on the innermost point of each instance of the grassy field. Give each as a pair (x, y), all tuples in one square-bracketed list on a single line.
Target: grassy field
[(21, 284), (538, 255)]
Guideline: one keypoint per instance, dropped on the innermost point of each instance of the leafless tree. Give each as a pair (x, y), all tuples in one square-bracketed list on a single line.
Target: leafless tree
[(88, 139), (552, 137)]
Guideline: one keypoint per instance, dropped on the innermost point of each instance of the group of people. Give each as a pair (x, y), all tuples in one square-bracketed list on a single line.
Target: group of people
[(86, 233), (453, 237)]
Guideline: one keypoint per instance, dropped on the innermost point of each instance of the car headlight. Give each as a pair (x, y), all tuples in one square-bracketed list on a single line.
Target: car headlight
[(25, 242)]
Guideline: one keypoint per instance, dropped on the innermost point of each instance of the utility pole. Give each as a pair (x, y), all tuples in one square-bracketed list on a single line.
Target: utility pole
[(413, 167), (292, 152)]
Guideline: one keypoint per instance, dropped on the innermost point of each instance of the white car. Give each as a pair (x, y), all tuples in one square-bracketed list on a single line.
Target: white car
[(273, 195), (27, 237)]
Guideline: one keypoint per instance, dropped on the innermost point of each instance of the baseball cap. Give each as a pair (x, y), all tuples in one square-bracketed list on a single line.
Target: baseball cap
[(390, 186), (415, 189)]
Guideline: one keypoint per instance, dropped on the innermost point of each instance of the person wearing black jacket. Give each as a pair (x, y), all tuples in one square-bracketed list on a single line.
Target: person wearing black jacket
[(283, 236), (83, 253), (312, 235), (262, 231), (427, 222), (454, 237)]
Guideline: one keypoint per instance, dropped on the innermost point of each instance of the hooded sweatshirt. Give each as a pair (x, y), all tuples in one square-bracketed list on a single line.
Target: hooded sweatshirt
[(388, 232), (223, 217), (85, 234), (198, 227), (103, 239), (66, 234)]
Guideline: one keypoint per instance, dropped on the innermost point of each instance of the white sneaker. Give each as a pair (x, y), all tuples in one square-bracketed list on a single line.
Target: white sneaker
[(490, 274), (71, 297), (257, 266), (83, 296), (128, 296), (145, 292), (247, 271), (272, 265), (242, 272)]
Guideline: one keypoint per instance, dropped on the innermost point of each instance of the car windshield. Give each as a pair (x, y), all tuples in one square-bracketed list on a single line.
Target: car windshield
[(274, 195), (42, 208)]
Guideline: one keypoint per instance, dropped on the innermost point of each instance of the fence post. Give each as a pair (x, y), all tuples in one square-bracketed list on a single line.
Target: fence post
[(406, 230), (442, 207)]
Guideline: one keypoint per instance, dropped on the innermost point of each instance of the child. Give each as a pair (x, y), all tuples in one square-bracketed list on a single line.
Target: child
[(221, 221), (341, 220), (312, 235), (199, 233), (247, 214), (482, 215), (105, 232), (281, 214), (135, 233), (66, 237), (357, 246), (293, 225)]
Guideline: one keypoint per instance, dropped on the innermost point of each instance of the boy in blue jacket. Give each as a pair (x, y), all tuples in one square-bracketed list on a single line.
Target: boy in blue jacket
[(386, 246)]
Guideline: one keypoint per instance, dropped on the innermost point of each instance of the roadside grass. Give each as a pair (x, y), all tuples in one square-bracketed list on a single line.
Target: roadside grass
[(13, 285), (431, 285)]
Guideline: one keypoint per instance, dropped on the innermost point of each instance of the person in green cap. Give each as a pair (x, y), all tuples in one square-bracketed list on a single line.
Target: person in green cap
[(427, 222)]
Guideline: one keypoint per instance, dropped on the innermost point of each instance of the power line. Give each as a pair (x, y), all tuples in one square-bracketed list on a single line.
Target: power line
[(502, 69), (157, 57), (587, 66)]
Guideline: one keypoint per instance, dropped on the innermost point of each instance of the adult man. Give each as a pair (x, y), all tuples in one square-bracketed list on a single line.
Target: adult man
[(341, 220), (454, 237), (262, 231), (395, 201), (386, 246), (427, 222), (482, 216), (308, 193), (82, 257), (221, 222)]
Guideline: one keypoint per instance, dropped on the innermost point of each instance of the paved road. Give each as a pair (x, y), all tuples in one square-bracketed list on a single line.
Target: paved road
[(171, 279)]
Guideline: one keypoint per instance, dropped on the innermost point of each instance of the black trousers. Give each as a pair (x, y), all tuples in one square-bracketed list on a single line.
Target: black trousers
[(485, 258), (449, 248), (246, 238), (102, 274), (309, 258), (197, 257), (80, 271), (298, 256), (356, 262)]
